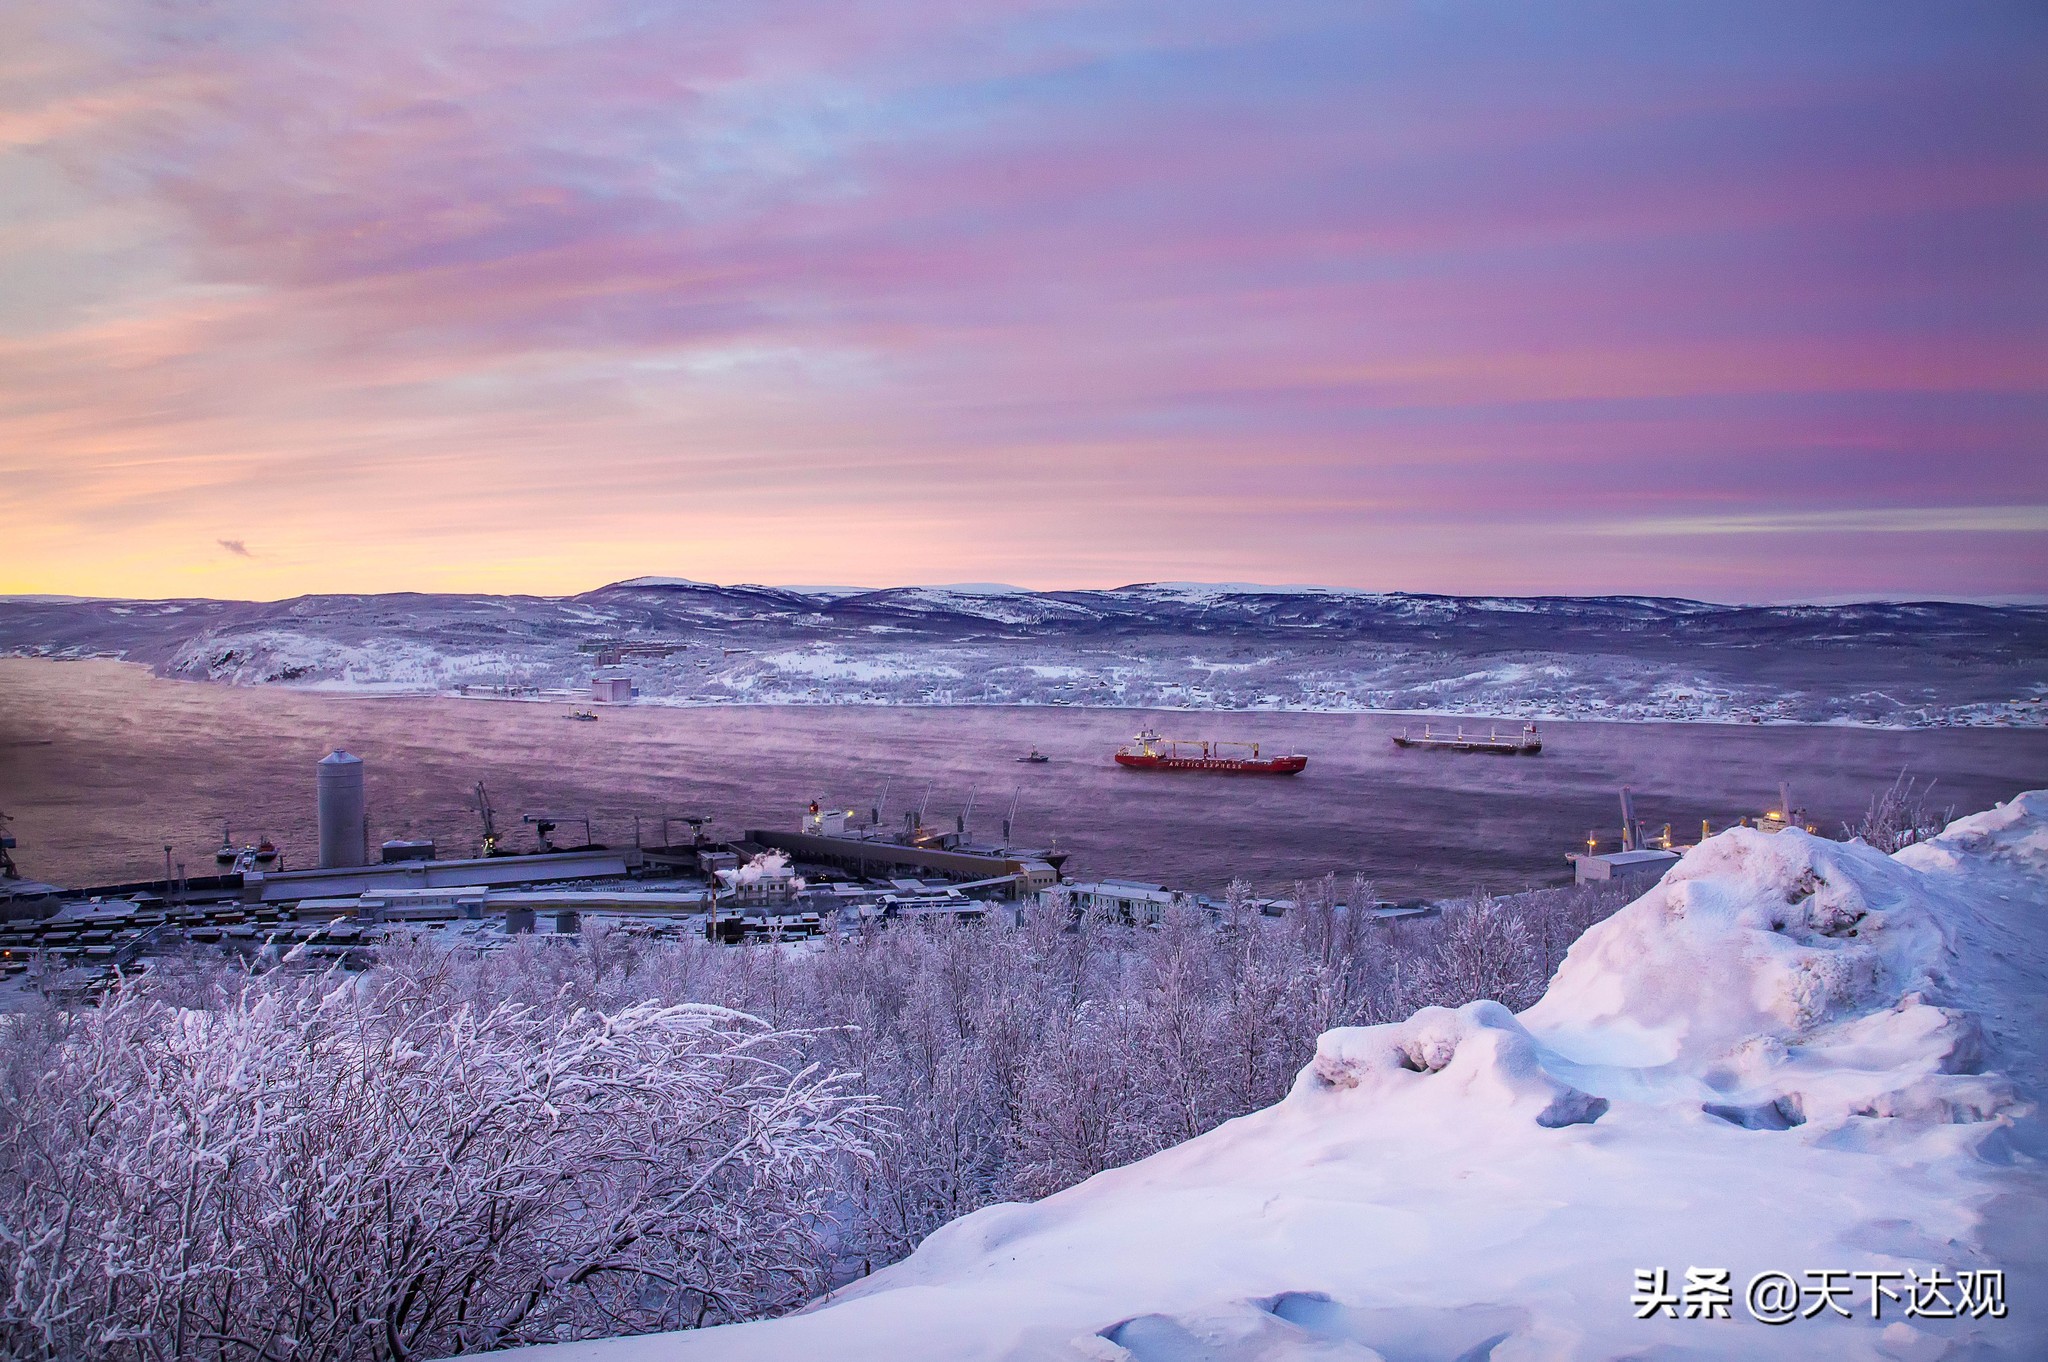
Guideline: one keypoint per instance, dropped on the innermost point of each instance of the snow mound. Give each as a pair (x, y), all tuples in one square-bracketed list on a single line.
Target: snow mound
[(1750, 934), (1791, 979), (1792, 1055), (1477, 1056)]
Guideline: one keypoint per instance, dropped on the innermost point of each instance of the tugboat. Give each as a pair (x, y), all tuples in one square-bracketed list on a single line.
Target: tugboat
[(227, 853), (266, 850), (1149, 751), (1035, 756), (1527, 744), (582, 716)]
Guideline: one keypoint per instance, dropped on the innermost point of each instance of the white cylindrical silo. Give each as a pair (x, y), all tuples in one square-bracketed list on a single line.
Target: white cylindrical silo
[(344, 831)]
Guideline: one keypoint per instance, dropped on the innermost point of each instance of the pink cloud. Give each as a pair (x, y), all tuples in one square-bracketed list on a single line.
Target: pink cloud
[(1099, 259)]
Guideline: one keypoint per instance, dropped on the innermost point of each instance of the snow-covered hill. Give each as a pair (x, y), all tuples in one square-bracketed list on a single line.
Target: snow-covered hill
[(1792, 1057), (1156, 645)]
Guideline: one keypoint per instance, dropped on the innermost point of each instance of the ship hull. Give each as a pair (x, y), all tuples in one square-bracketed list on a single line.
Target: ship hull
[(1268, 766), (1498, 749)]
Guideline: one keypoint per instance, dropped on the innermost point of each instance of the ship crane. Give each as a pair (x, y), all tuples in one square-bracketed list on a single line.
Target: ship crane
[(1210, 747)]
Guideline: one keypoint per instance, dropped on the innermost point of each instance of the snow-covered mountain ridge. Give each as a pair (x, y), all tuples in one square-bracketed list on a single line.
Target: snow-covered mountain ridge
[(1162, 645), (1792, 1056)]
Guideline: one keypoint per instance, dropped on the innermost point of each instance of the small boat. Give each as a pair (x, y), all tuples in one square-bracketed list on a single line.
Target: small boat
[(227, 853), (1034, 756), (1527, 744), (582, 716)]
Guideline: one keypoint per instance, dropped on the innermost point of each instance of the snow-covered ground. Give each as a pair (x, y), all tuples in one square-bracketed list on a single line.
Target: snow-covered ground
[(1229, 646), (1792, 1056)]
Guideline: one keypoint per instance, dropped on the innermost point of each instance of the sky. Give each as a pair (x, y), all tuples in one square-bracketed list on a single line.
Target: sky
[(1735, 301)]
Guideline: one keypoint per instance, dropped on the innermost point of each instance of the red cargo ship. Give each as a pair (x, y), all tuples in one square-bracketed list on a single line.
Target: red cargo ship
[(1151, 752)]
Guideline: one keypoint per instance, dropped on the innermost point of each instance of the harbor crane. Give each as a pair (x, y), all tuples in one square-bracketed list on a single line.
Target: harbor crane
[(545, 823), (913, 823), (695, 820), (1011, 817), (489, 817)]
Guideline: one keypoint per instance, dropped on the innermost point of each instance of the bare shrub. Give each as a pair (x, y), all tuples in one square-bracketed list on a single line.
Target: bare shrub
[(1484, 951), (1899, 816), (321, 1167)]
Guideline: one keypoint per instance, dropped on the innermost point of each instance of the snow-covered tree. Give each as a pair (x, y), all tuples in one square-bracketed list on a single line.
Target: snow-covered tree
[(463, 1149), (325, 1167)]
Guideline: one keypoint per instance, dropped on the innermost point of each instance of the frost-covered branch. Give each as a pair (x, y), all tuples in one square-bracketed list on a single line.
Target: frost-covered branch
[(326, 1168)]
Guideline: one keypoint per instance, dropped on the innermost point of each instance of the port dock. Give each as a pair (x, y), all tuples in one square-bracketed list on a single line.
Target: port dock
[(864, 856)]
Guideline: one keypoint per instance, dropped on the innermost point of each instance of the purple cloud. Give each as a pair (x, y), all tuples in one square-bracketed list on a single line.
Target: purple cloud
[(1444, 298)]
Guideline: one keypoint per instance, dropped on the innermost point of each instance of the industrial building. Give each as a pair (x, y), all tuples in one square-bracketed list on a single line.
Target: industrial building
[(766, 884), (1131, 901), (1644, 867)]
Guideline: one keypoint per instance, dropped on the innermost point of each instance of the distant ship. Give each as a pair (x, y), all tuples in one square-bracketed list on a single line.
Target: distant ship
[(1148, 751), (1034, 755), (263, 853), (1525, 744), (582, 716)]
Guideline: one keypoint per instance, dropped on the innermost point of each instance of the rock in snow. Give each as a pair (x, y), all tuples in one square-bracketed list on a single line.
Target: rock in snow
[(1792, 1055)]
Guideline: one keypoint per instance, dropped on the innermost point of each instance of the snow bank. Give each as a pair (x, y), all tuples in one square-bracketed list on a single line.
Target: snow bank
[(1456, 1063), (1792, 1055)]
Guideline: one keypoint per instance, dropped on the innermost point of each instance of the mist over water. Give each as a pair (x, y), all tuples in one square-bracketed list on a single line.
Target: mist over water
[(101, 764)]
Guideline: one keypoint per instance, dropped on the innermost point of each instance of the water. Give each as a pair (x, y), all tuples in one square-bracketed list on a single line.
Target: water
[(101, 764)]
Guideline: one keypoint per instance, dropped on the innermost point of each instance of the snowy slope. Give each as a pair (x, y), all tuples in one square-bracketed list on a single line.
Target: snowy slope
[(1793, 1054), (1228, 646)]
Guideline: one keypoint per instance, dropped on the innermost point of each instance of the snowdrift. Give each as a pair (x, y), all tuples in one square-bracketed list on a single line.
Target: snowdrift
[(1792, 1056)]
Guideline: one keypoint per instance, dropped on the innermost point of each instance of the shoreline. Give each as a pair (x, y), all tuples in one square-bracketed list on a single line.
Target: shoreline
[(349, 691)]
